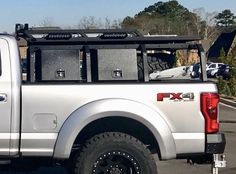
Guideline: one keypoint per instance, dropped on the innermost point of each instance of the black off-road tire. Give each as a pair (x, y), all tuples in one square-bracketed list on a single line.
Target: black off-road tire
[(157, 62), (114, 153), (161, 61)]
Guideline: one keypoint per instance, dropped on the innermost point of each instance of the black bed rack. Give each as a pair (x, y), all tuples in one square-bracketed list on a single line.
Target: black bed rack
[(40, 36)]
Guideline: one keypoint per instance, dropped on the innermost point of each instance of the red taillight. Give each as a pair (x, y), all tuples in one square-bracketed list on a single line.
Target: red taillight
[(209, 109)]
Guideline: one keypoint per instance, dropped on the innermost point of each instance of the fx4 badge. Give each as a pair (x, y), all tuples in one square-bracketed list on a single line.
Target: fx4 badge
[(176, 96)]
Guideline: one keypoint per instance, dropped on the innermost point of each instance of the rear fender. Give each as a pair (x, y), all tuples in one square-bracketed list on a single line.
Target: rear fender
[(109, 108)]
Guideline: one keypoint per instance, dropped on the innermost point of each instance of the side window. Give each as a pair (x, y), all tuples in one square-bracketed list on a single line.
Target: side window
[(214, 66)]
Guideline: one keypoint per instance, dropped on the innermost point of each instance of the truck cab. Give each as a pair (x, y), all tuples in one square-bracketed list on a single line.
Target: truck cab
[(10, 83)]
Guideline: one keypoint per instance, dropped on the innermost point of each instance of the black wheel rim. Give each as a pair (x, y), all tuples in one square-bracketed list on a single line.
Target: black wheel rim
[(116, 162)]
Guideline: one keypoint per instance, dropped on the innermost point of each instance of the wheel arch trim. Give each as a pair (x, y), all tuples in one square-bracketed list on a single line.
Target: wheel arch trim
[(99, 109)]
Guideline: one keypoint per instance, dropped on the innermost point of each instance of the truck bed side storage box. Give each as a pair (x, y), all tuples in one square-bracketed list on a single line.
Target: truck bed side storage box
[(58, 65), (114, 64)]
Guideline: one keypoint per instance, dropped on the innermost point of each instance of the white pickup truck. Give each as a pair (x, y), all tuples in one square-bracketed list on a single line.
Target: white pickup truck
[(88, 100)]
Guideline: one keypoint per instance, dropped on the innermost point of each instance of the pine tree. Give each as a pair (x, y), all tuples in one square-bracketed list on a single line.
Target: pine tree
[(228, 87)]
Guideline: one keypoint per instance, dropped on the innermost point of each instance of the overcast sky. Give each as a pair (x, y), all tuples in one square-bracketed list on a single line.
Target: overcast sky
[(69, 12)]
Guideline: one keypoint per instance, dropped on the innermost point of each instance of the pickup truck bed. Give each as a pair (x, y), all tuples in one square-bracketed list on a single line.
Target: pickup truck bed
[(41, 103)]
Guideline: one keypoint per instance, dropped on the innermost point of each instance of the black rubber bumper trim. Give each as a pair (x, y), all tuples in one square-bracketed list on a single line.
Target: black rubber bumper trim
[(215, 143)]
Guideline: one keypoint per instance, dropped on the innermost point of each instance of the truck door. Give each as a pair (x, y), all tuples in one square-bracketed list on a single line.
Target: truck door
[(5, 98)]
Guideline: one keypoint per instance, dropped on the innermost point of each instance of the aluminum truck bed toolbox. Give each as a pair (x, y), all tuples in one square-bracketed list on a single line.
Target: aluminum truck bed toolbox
[(114, 64)]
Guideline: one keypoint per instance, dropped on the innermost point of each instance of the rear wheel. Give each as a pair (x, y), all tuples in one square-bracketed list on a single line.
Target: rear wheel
[(114, 153)]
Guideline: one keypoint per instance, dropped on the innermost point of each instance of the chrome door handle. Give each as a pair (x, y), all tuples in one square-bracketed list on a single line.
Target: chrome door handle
[(3, 97)]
